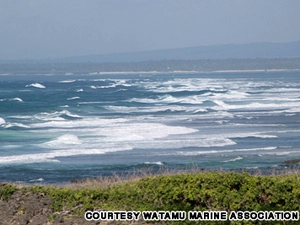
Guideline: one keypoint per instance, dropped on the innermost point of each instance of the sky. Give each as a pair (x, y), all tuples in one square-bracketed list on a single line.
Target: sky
[(41, 29)]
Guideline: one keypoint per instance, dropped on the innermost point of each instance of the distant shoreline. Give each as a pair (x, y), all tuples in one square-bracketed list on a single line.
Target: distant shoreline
[(194, 71), (154, 67), (156, 72)]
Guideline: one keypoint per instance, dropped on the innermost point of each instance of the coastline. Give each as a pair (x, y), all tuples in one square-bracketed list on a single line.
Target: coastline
[(154, 72), (191, 72)]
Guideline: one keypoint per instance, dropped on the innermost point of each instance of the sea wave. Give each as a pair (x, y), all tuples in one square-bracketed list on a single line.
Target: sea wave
[(52, 156), (221, 105), (16, 99), (234, 159), (214, 151), (67, 139), (154, 163), (73, 98), (67, 81), (169, 99), (14, 125), (56, 116), (2, 121), (36, 85)]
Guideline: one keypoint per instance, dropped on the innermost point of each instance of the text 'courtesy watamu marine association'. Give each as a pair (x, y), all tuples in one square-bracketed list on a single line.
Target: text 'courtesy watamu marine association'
[(192, 215)]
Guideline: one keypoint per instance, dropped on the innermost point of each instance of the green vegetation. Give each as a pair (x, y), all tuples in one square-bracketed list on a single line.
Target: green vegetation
[(6, 191), (189, 192)]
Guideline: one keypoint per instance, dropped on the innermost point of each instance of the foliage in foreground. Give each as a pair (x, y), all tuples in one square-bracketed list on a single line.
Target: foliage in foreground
[(189, 192)]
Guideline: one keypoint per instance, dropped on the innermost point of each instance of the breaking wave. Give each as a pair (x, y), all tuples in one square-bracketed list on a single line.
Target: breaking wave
[(36, 85)]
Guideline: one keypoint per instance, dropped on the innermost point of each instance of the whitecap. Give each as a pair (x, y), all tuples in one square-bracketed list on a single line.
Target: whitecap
[(282, 153), (195, 153), (9, 125), (264, 136), (16, 99), (169, 99), (2, 121), (73, 98), (205, 152), (287, 106), (256, 149), (36, 85), (55, 116), (67, 81), (178, 143), (154, 163), (234, 159), (51, 156), (254, 135), (37, 180), (67, 139), (21, 117), (80, 90)]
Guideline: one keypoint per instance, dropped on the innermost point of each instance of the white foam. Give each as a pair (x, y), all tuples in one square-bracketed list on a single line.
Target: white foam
[(9, 125), (2, 121), (88, 103), (16, 99), (80, 90), (221, 105), (185, 143), (254, 135), (158, 108), (140, 131), (234, 159), (90, 123), (37, 180), (114, 133), (256, 149), (154, 163), (207, 152), (282, 153), (195, 153), (36, 85), (55, 116), (264, 136), (170, 99), (52, 155), (67, 81), (21, 117), (67, 139), (73, 98)]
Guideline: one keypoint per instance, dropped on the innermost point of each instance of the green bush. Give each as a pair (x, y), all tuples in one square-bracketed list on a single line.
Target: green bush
[(6, 191), (214, 191)]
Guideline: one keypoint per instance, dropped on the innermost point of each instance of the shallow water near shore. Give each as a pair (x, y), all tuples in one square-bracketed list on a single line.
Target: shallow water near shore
[(63, 127)]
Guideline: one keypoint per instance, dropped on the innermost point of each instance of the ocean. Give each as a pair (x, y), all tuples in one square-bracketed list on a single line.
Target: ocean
[(63, 127)]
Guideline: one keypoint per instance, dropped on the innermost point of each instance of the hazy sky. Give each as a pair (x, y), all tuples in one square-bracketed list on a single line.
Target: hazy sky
[(33, 29)]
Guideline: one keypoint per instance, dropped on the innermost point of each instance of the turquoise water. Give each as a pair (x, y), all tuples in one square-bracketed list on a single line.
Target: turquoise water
[(63, 127)]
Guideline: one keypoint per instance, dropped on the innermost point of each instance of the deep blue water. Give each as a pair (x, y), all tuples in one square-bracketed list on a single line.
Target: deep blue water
[(64, 127)]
